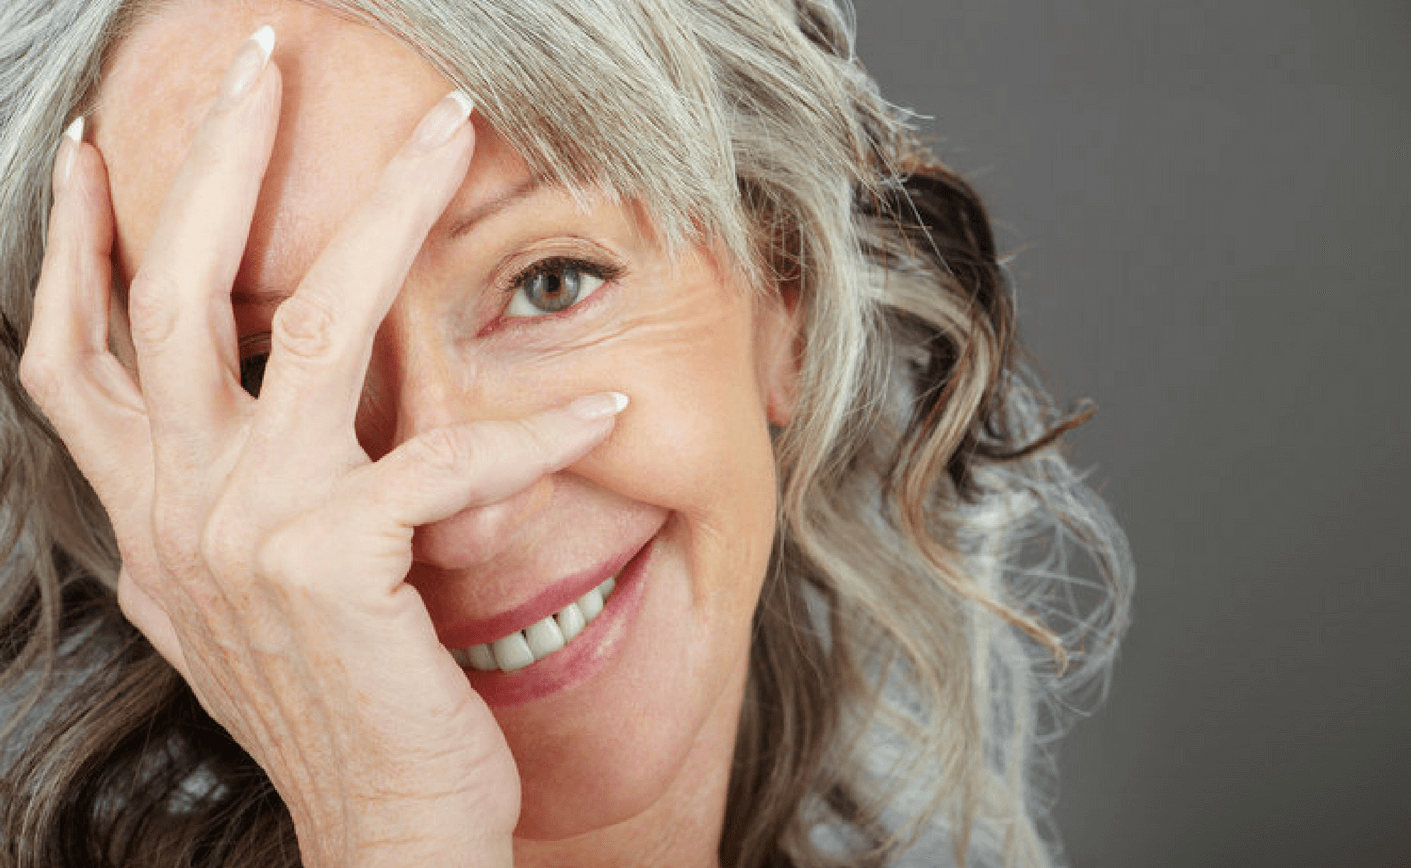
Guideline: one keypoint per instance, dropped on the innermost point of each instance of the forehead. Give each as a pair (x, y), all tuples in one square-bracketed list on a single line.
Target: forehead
[(351, 96)]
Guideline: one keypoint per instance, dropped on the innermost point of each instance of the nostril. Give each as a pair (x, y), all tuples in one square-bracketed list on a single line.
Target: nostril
[(474, 536)]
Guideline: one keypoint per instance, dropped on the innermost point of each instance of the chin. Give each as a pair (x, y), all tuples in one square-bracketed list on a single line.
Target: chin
[(649, 731)]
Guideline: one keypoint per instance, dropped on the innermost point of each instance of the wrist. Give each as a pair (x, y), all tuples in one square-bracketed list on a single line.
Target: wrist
[(382, 841)]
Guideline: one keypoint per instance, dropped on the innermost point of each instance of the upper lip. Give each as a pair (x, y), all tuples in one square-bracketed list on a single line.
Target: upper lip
[(480, 631)]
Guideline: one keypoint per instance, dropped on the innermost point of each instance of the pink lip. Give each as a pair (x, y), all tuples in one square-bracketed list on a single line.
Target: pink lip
[(548, 602), (582, 658)]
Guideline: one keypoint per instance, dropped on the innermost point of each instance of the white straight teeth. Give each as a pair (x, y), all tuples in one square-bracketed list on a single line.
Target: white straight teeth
[(537, 641)]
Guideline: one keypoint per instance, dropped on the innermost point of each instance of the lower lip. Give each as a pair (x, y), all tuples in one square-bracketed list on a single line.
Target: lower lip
[(580, 659)]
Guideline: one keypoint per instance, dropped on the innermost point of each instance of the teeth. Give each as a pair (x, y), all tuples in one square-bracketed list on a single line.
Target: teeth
[(590, 604), (481, 657), (537, 641), (512, 652), (544, 638), (570, 621)]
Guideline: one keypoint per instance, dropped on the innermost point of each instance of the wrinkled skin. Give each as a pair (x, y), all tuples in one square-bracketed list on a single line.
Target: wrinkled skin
[(414, 460)]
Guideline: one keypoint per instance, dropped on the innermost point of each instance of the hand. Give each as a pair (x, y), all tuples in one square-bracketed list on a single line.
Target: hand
[(264, 555)]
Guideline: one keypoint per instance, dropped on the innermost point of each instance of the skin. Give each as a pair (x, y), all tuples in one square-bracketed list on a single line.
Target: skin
[(409, 463)]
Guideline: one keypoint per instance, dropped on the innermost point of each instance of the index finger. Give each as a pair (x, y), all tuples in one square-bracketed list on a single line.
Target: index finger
[(322, 335), (183, 329)]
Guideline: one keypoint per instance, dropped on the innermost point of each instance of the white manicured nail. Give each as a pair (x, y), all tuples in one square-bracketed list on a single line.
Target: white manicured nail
[(68, 151), (439, 124), (599, 405), (249, 62)]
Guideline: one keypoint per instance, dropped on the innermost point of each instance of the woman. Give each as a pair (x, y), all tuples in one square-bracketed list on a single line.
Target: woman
[(479, 433)]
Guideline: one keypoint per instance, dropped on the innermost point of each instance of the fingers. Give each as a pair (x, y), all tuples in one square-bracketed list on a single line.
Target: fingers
[(446, 470), (182, 326), (322, 335), (67, 369)]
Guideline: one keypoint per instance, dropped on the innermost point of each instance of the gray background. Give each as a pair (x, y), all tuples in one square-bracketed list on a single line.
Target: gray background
[(1211, 205)]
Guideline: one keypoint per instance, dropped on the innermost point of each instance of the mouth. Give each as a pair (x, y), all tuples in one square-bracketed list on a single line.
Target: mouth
[(540, 649), (523, 648)]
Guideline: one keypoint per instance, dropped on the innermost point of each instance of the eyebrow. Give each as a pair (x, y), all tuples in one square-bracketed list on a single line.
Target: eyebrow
[(462, 224), (490, 207)]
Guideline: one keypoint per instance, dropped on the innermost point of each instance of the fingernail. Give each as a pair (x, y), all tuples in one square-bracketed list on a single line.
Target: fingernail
[(442, 122), (249, 62), (68, 152), (599, 405)]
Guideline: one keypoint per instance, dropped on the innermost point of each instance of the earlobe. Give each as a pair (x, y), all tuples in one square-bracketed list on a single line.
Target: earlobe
[(779, 345)]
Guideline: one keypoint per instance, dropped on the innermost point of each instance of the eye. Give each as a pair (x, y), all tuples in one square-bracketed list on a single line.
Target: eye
[(555, 284), (254, 355)]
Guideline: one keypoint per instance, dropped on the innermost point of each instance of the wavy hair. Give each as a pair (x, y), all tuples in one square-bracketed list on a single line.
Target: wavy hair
[(921, 637)]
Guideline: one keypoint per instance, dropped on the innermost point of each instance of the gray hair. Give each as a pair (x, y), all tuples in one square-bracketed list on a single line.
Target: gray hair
[(921, 637)]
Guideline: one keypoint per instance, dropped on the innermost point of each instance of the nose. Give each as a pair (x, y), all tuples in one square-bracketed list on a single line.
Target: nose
[(418, 381)]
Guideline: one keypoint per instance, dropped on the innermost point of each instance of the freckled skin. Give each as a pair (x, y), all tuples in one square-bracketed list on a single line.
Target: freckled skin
[(633, 765)]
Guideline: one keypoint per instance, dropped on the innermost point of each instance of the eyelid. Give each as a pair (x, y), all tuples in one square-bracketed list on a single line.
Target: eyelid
[(604, 271), (515, 267), (593, 261), (597, 259)]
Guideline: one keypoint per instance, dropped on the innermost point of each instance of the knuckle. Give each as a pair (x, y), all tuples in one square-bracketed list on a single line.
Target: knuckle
[(272, 556), (221, 550), (174, 541), (444, 449), (303, 326), (151, 308), (280, 557), (542, 447)]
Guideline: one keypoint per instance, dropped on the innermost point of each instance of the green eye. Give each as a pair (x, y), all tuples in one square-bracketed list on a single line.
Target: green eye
[(552, 285)]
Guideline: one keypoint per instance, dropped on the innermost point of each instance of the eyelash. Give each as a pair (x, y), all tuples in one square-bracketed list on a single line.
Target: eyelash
[(602, 272), (252, 364)]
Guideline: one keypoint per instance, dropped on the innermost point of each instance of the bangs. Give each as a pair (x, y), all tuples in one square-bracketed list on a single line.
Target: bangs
[(603, 96)]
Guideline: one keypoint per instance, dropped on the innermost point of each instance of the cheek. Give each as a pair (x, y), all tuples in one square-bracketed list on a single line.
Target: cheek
[(696, 424), (695, 442), (695, 432)]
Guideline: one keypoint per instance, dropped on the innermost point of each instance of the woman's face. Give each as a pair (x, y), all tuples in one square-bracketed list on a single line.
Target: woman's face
[(636, 717)]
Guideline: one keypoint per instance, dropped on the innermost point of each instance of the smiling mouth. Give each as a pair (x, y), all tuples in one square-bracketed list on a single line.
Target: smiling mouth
[(539, 640)]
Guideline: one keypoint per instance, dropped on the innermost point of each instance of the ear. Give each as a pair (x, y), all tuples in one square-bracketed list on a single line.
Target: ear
[(779, 349)]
